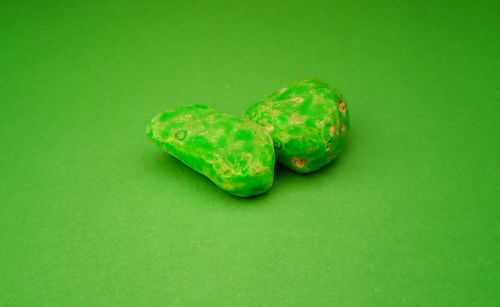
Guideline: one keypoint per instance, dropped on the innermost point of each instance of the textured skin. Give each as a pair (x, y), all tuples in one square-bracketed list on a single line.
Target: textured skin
[(308, 121), (235, 153)]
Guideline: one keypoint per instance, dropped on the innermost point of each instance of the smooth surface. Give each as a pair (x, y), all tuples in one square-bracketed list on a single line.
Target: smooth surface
[(91, 214)]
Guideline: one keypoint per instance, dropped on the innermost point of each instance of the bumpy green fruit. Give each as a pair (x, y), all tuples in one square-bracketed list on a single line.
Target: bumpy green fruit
[(308, 121), (235, 153)]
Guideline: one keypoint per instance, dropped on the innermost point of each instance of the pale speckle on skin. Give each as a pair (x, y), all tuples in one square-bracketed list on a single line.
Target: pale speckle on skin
[(342, 107), (269, 128), (282, 90), (331, 131), (328, 147), (344, 129), (294, 119), (320, 124), (298, 99), (298, 162), (276, 112)]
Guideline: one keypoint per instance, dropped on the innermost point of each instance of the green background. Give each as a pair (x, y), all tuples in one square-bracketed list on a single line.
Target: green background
[(93, 214)]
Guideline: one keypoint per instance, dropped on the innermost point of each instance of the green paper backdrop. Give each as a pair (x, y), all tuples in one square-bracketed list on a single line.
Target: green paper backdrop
[(93, 214)]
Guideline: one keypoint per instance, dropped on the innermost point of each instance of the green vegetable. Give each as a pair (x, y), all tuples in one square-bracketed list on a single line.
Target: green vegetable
[(233, 152), (308, 121)]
